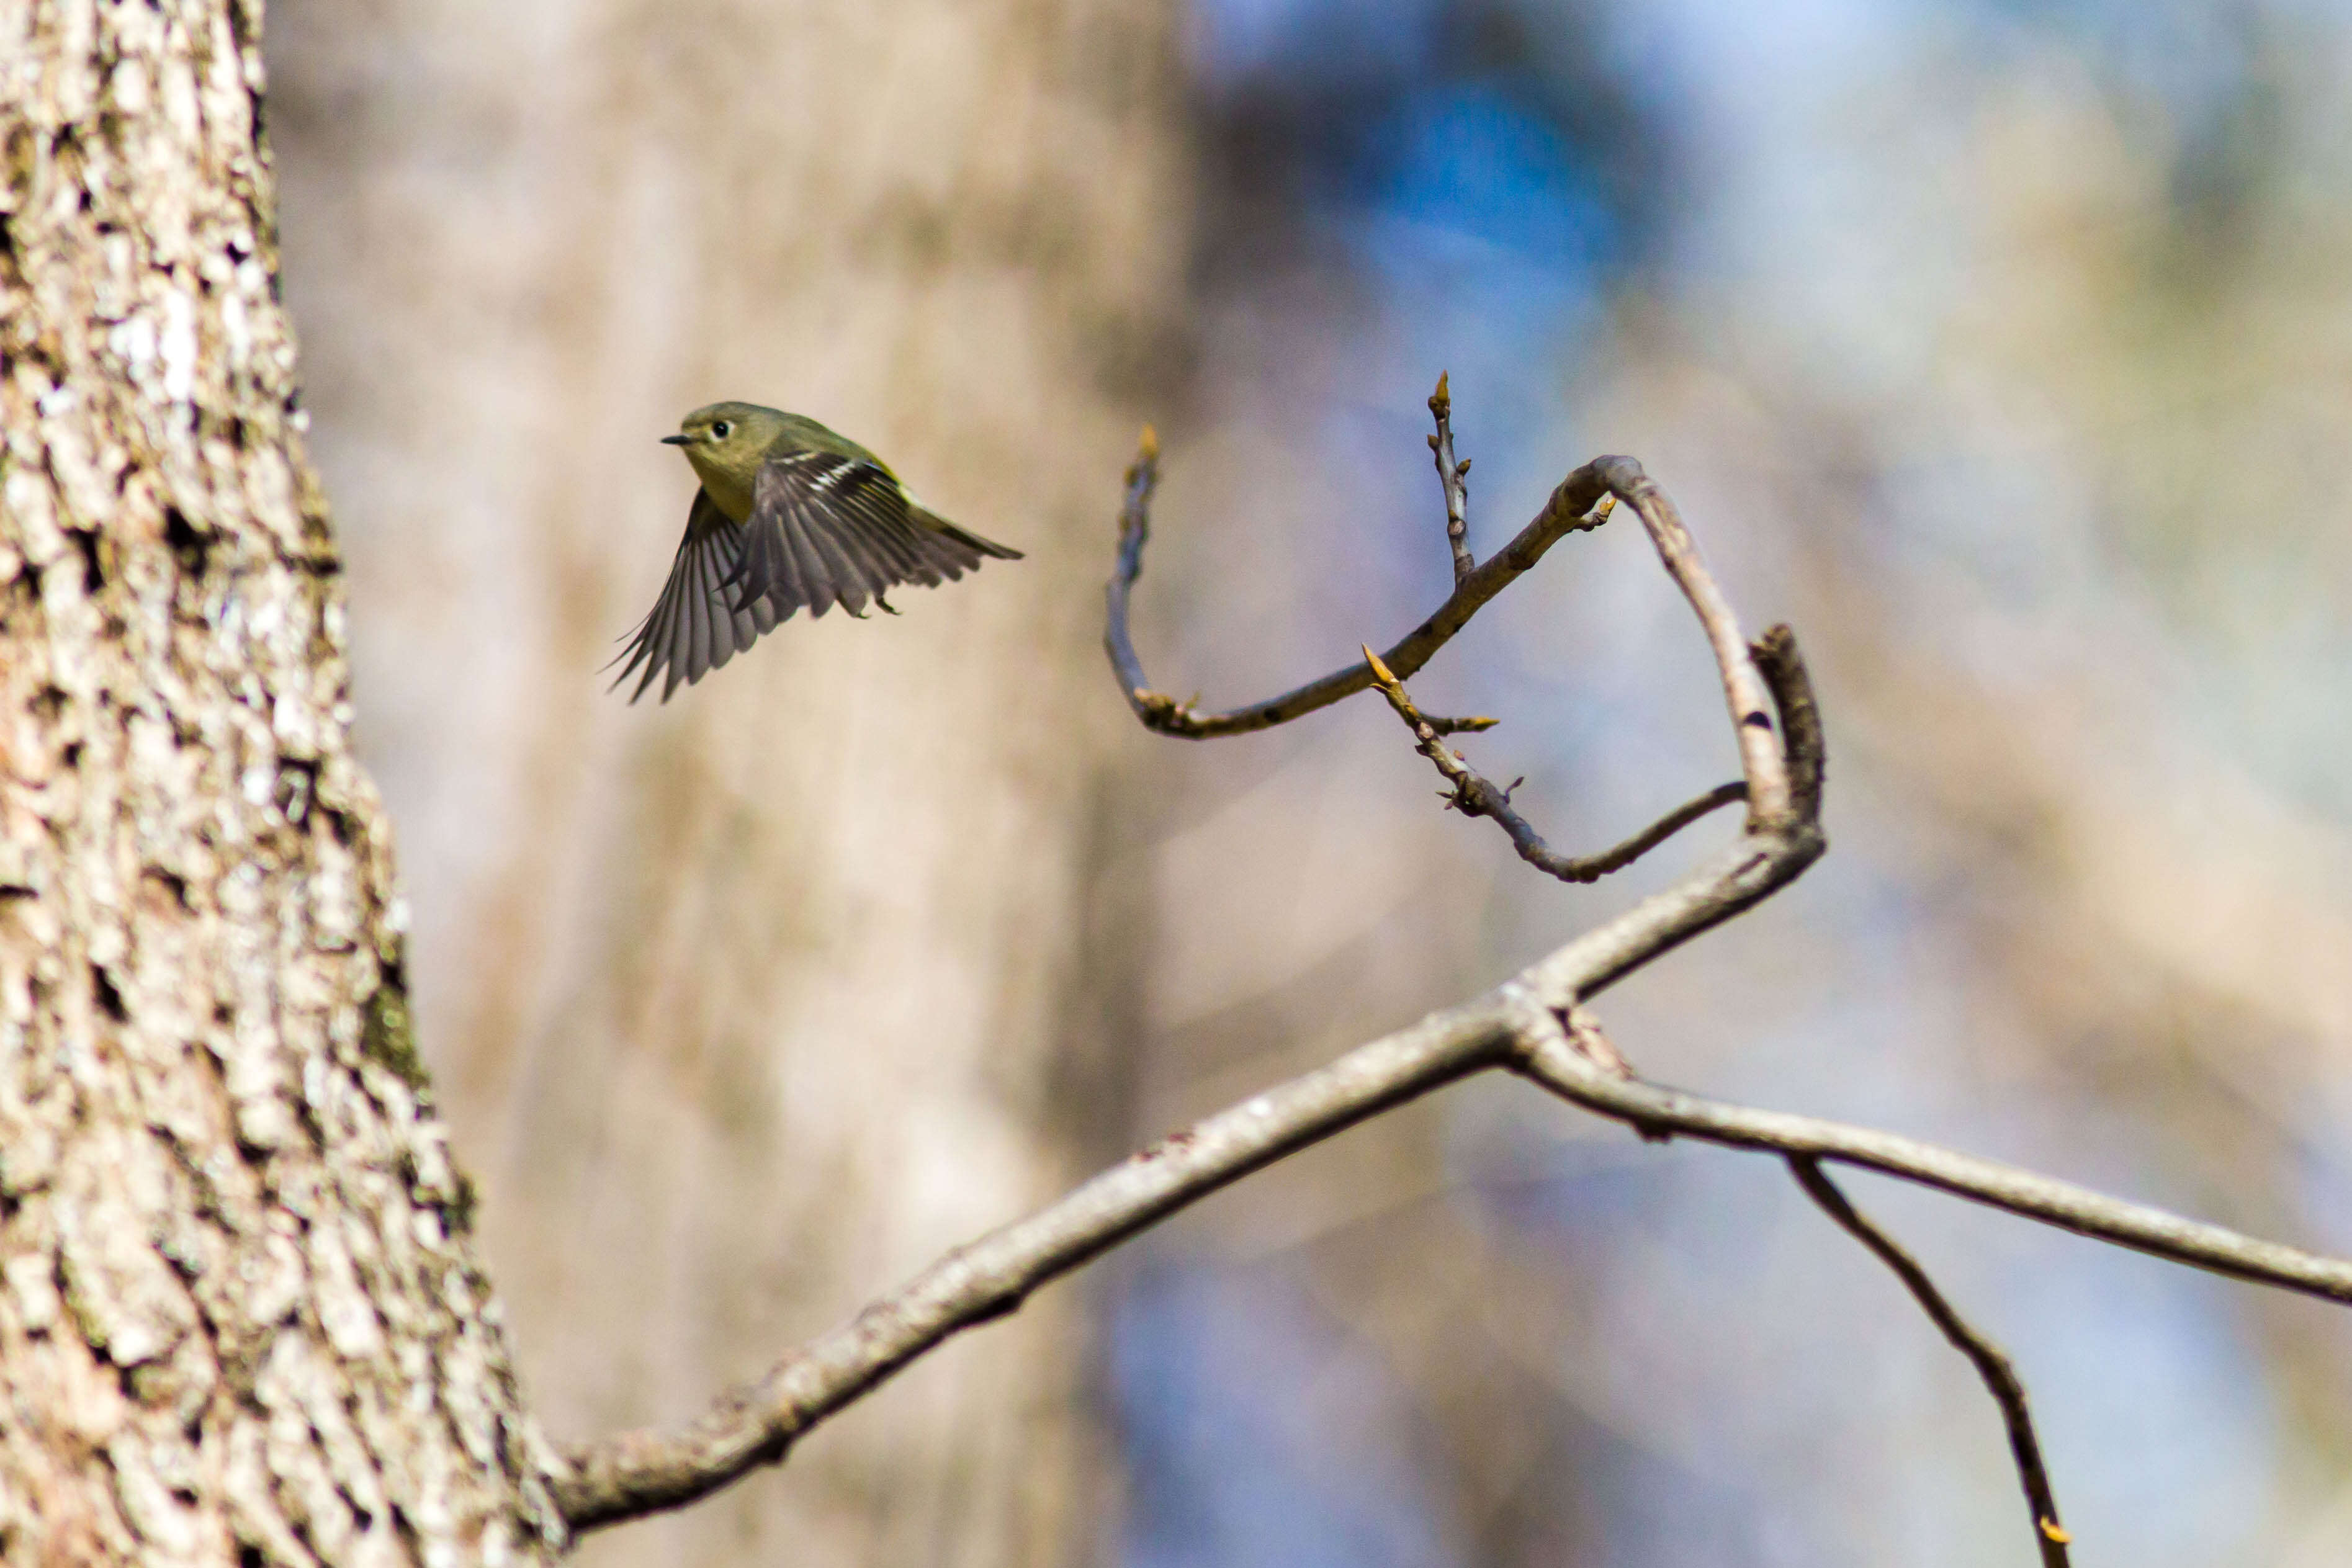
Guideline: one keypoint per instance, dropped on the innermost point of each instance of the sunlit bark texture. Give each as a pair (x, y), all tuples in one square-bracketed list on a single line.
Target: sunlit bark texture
[(746, 1006), (240, 1318)]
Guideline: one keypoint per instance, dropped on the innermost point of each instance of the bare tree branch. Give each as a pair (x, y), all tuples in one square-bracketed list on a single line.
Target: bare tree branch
[(640, 1472), (1744, 686), (1580, 504), (1993, 1366), (1776, 655), (1656, 1112), (1475, 796), (634, 1473), (1455, 478), (1532, 1025)]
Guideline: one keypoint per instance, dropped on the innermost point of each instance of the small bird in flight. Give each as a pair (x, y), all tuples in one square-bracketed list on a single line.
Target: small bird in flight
[(789, 517)]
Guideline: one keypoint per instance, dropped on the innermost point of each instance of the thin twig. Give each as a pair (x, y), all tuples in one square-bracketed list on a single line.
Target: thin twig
[(1134, 532), (1470, 726), (1474, 795), (1577, 504), (2000, 1377), (1554, 1062), (1766, 857), (1783, 667), (1455, 477)]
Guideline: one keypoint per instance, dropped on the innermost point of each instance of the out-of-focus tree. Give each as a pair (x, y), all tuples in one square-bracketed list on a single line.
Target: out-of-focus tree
[(772, 993), (2006, 346)]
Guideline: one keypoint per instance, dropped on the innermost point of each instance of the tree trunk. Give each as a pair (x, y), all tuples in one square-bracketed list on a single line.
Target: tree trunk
[(744, 1007), (751, 1004), (242, 1320)]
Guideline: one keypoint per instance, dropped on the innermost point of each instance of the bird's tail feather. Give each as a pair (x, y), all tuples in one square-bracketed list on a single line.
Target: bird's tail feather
[(926, 517)]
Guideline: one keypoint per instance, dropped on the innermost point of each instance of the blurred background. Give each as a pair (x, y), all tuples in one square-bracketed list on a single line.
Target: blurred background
[(2004, 348)]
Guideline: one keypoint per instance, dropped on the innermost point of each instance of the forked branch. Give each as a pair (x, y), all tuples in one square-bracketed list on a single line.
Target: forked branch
[(1580, 504), (1532, 1025), (1475, 796)]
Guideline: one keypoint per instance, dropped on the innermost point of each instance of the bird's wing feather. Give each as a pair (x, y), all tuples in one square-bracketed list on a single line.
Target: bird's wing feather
[(830, 529), (696, 625), (826, 528)]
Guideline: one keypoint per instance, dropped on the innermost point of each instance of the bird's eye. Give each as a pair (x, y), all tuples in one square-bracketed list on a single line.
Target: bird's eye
[(720, 428)]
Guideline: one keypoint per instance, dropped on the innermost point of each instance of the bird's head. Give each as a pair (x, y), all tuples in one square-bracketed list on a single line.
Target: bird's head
[(725, 441)]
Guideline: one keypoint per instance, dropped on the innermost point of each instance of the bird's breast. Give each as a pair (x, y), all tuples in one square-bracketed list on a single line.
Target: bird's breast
[(730, 492)]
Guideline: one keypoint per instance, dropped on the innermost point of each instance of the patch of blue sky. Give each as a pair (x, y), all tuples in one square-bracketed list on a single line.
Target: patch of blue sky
[(1465, 195), (1491, 248)]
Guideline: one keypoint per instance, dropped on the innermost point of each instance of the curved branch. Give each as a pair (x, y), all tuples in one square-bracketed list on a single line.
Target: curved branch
[(1526, 1025), (635, 1473), (1577, 504), (1519, 1026), (1745, 688), (1474, 795)]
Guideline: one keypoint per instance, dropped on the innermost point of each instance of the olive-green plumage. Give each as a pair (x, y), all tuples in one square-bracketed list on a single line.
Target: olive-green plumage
[(789, 517)]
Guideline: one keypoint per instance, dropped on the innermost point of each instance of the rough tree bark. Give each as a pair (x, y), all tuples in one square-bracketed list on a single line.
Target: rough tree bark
[(242, 1319)]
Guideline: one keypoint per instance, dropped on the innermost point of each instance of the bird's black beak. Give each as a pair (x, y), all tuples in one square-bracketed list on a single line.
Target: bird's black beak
[(676, 440)]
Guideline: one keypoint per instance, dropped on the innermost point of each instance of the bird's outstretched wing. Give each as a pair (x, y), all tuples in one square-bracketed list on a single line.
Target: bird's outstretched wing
[(696, 626), (828, 529)]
